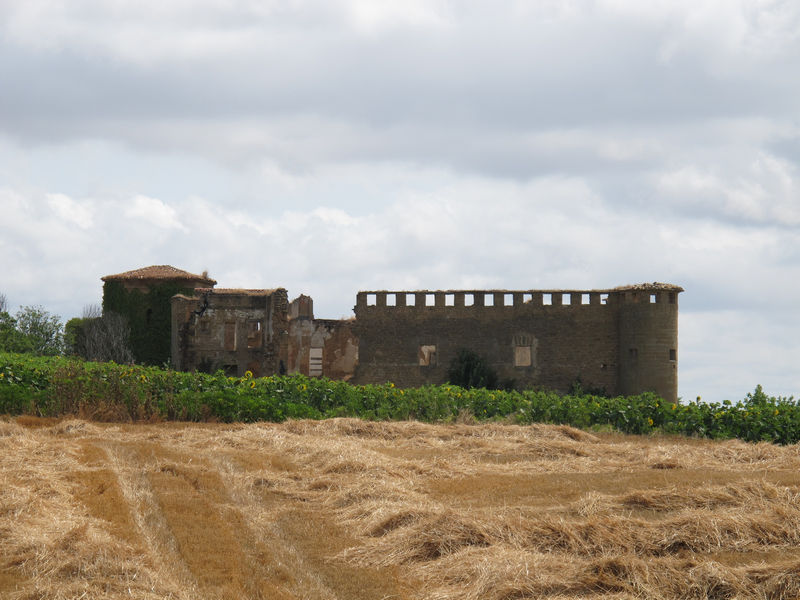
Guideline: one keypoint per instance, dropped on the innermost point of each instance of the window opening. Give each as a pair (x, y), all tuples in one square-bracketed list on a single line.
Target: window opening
[(603, 298), (449, 299), (522, 356), (527, 298), (411, 299), (469, 299), (547, 299), (585, 299), (652, 298), (488, 299), (254, 334), (673, 354), (372, 299), (230, 335), (391, 299), (315, 362), (427, 355)]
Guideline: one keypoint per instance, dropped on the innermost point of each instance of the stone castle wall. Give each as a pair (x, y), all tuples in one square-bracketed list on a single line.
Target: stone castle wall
[(548, 339)]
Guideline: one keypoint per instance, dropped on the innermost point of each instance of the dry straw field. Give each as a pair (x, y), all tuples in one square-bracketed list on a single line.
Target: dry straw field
[(354, 509)]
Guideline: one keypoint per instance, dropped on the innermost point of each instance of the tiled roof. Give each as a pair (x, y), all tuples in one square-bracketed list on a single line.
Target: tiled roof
[(241, 292), (159, 272)]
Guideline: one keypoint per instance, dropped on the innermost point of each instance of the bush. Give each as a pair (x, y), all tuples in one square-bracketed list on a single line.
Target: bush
[(55, 386), (468, 370)]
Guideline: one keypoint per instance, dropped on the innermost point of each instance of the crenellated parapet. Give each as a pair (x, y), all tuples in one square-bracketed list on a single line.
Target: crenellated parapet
[(656, 293), (622, 339)]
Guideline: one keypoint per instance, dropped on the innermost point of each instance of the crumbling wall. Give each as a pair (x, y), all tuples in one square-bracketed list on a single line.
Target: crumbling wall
[(534, 338), (323, 347), (233, 330)]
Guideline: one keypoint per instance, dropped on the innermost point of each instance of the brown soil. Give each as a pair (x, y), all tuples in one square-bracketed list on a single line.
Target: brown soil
[(350, 509)]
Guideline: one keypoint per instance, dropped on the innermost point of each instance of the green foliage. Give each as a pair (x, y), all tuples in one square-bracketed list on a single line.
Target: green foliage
[(469, 370), (54, 386), (149, 316), (33, 329), (11, 338)]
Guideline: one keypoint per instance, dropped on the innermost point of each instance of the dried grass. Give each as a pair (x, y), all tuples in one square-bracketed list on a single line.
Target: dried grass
[(351, 509)]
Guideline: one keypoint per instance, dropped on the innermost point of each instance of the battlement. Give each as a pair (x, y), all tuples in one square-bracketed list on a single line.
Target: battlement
[(655, 293)]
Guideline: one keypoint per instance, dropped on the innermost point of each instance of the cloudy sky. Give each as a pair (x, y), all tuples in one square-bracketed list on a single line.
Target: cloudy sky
[(329, 146)]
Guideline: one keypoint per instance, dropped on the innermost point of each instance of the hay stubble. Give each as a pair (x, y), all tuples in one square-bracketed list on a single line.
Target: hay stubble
[(352, 509)]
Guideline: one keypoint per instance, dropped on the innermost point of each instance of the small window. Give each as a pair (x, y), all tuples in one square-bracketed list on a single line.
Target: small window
[(230, 335), (372, 299), (522, 356), (315, 362), (391, 299), (547, 299), (566, 299), (585, 299), (488, 299), (673, 354), (469, 299), (603, 298), (508, 300), (411, 299), (527, 298), (449, 299), (427, 355), (254, 334), (430, 299), (653, 298)]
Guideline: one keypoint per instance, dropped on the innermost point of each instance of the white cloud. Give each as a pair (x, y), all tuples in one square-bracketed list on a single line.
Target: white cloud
[(70, 210), (155, 212), (765, 190)]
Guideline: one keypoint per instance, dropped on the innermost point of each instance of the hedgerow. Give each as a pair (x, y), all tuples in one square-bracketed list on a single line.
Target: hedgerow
[(56, 386)]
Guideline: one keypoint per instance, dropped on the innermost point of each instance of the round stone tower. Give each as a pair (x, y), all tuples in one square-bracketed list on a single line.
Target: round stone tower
[(648, 339)]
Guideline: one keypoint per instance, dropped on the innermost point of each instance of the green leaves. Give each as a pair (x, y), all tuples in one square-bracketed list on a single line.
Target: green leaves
[(53, 386)]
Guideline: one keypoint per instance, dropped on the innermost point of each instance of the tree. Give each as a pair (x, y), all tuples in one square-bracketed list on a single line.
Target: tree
[(43, 332), (101, 338), (11, 340), (469, 370)]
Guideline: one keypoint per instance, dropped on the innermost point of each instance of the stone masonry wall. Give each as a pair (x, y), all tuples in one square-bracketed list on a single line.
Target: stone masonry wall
[(322, 347), (546, 339), (525, 340), (236, 331)]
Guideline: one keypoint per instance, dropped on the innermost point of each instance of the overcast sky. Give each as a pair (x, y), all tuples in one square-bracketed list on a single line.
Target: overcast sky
[(331, 146)]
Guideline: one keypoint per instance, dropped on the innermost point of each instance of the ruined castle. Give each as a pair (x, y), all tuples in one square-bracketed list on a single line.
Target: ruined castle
[(623, 340)]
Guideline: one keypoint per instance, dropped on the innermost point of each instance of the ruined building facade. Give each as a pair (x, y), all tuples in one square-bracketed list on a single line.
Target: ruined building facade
[(623, 340)]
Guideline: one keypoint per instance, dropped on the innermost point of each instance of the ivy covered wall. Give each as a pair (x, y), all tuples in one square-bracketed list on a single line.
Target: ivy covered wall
[(149, 316)]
